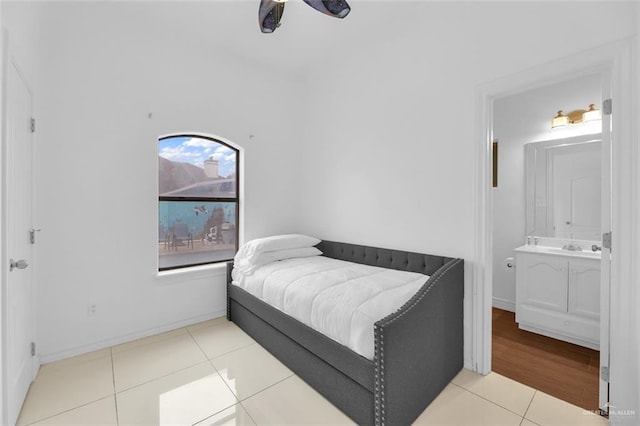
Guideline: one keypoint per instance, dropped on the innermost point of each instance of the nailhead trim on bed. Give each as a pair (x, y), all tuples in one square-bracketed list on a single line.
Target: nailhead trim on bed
[(379, 341), (376, 371)]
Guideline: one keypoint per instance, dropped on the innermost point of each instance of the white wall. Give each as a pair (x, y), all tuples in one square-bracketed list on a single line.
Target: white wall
[(104, 70), (520, 119), (392, 162)]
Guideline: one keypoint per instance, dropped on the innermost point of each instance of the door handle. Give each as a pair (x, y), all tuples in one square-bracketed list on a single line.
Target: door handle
[(20, 264)]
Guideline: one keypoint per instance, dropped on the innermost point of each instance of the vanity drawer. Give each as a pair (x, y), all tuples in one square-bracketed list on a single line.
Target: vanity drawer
[(564, 326)]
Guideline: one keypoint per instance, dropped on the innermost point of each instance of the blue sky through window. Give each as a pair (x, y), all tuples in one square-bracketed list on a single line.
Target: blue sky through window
[(195, 150)]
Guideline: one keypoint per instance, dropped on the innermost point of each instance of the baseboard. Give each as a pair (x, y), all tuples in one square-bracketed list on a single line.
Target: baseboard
[(56, 356), (504, 304)]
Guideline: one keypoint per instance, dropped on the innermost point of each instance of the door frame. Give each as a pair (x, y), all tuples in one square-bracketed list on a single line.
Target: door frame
[(613, 59)]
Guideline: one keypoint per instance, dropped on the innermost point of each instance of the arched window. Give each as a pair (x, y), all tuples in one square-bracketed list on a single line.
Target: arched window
[(198, 201)]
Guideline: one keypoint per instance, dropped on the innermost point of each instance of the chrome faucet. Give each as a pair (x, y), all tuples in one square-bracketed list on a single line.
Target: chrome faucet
[(572, 247)]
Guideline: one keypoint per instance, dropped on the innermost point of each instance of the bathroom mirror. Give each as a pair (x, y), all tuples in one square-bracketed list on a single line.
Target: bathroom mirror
[(563, 188)]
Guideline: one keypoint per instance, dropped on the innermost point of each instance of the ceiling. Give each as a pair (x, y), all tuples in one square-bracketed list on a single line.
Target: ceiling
[(306, 37)]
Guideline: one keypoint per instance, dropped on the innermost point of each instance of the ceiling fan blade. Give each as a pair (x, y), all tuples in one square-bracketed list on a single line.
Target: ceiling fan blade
[(269, 15), (335, 8)]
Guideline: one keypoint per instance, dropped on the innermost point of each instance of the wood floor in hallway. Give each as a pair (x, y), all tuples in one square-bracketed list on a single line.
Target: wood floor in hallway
[(564, 370)]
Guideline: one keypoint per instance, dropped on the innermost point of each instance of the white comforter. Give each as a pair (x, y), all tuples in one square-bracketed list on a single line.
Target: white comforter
[(342, 300)]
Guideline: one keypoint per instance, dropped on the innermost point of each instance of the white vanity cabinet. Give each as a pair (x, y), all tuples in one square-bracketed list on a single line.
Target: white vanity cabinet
[(558, 295)]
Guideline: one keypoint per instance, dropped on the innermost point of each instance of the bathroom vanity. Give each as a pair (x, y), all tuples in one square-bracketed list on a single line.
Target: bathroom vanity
[(558, 293)]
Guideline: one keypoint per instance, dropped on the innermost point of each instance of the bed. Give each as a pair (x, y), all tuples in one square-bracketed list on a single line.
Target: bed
[(417, 349)]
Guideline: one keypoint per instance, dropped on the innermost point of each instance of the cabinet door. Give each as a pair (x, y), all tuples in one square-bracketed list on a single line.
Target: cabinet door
[(584, 288), (542, 282)]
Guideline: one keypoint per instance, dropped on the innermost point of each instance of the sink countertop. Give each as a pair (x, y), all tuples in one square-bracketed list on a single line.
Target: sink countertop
[(586, 253)]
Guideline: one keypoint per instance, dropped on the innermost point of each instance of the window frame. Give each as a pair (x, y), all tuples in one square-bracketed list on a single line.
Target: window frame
[(173, 198)]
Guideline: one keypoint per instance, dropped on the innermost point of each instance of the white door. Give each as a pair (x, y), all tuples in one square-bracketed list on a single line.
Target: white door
[(19, 304), (605, 263)]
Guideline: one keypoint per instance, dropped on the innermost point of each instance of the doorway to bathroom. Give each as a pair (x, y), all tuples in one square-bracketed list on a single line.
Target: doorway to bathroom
[(547, 209), (614, 61)]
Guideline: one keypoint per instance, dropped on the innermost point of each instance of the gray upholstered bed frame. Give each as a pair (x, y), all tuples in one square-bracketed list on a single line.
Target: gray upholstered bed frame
[(418, 349)]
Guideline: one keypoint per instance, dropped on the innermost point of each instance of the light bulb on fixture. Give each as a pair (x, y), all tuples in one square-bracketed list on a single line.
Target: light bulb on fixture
[(560, 120), (592, 114)]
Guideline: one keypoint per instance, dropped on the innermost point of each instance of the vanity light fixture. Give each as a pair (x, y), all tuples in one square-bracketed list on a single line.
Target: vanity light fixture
[(270, 11), (576, 117)]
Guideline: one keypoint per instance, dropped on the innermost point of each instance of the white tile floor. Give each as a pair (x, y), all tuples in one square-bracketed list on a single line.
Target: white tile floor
[(214, 374)]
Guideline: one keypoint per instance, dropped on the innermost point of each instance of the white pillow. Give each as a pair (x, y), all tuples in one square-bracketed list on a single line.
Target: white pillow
[(248, 268), (294, 252), (251, 249)]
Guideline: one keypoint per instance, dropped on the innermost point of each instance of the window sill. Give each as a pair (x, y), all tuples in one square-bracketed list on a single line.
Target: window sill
[(192, 273)]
